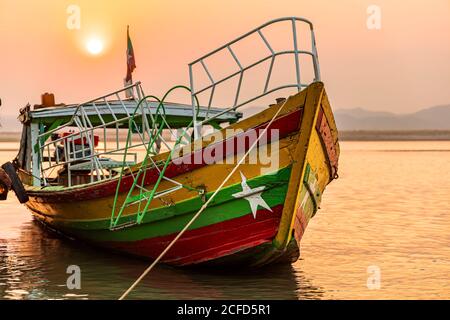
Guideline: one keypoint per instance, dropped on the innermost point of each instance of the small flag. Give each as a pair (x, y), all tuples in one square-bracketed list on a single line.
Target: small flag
[(131, 64)]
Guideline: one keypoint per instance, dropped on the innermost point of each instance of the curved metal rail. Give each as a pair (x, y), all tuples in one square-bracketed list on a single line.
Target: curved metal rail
[(296, 51)]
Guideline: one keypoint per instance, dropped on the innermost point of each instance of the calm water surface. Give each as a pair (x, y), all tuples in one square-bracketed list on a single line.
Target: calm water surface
[(390, 209)]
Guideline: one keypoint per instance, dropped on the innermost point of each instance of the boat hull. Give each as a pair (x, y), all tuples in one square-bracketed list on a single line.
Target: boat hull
[(231, 230)]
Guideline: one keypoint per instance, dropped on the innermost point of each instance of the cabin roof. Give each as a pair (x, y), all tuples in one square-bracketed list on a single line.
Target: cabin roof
[(177, 114)]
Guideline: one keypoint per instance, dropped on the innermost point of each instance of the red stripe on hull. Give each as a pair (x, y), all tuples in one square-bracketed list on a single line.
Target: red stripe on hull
[(208, 243), (286, 125)]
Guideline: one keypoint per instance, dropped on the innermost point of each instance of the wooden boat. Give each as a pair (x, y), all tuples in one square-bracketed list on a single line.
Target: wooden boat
[(255, 215)]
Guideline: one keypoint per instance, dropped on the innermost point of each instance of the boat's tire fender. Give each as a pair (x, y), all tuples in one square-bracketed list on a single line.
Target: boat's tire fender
[(16, 184), (5, 185)]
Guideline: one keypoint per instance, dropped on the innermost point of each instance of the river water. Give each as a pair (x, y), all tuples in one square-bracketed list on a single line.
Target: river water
[(383, 232)]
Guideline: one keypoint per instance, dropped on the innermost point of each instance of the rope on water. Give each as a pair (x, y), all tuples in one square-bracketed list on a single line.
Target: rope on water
[(170, 245)]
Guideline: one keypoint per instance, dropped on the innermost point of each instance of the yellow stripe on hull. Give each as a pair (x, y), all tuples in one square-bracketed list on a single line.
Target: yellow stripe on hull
[(309, 150)]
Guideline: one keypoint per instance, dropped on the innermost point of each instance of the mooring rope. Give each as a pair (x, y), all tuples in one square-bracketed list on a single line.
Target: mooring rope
[(159, 126), (170, 245)]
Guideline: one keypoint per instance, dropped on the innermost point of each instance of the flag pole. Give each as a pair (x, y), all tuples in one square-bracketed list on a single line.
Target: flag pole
[(131, 65)]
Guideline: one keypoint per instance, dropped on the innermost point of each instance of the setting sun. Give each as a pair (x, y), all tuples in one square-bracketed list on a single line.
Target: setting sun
[(94, 46)]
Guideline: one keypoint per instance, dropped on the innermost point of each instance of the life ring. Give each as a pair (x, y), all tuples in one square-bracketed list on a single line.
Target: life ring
[(16, 184)]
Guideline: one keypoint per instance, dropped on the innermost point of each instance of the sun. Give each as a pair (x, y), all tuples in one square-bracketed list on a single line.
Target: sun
[(94, 46)]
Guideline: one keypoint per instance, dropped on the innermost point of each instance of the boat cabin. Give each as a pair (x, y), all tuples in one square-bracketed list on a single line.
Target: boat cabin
[(68, 145)]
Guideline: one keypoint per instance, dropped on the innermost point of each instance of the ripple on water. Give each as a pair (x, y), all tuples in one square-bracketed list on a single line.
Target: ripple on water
[(388, 209)]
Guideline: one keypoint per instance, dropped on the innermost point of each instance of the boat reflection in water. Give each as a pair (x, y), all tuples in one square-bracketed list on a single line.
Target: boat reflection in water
[(34, 264)]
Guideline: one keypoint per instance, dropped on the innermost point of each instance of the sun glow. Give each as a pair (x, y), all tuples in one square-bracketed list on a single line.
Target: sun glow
[(94, 46)]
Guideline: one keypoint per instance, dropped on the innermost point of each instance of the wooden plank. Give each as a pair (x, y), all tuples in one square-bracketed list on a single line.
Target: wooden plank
[(311, 105)]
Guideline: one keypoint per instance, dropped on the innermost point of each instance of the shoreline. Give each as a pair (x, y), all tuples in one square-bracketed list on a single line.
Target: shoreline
[(401, 135), (10, 136), (344, 135)]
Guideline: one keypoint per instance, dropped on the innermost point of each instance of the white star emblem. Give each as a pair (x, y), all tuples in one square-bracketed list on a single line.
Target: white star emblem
[(253, 196)]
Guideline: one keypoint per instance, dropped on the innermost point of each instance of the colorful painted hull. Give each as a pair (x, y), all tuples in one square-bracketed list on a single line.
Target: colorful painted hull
[(250, 229)]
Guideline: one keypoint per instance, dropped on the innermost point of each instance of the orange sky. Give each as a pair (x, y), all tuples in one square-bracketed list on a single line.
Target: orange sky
[(403, 67)]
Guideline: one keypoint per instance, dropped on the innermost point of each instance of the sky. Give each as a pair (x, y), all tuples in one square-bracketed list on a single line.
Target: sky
[(402, 66)]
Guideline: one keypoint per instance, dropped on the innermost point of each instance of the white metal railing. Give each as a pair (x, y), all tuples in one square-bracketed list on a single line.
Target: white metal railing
[(228, 47), (78, 149)]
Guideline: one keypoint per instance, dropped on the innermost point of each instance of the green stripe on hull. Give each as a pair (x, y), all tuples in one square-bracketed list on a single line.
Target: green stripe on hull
[(168, 220)]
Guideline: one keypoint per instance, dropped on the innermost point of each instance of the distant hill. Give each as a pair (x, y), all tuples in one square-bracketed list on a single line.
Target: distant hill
[(434, 118), (9, 123)]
